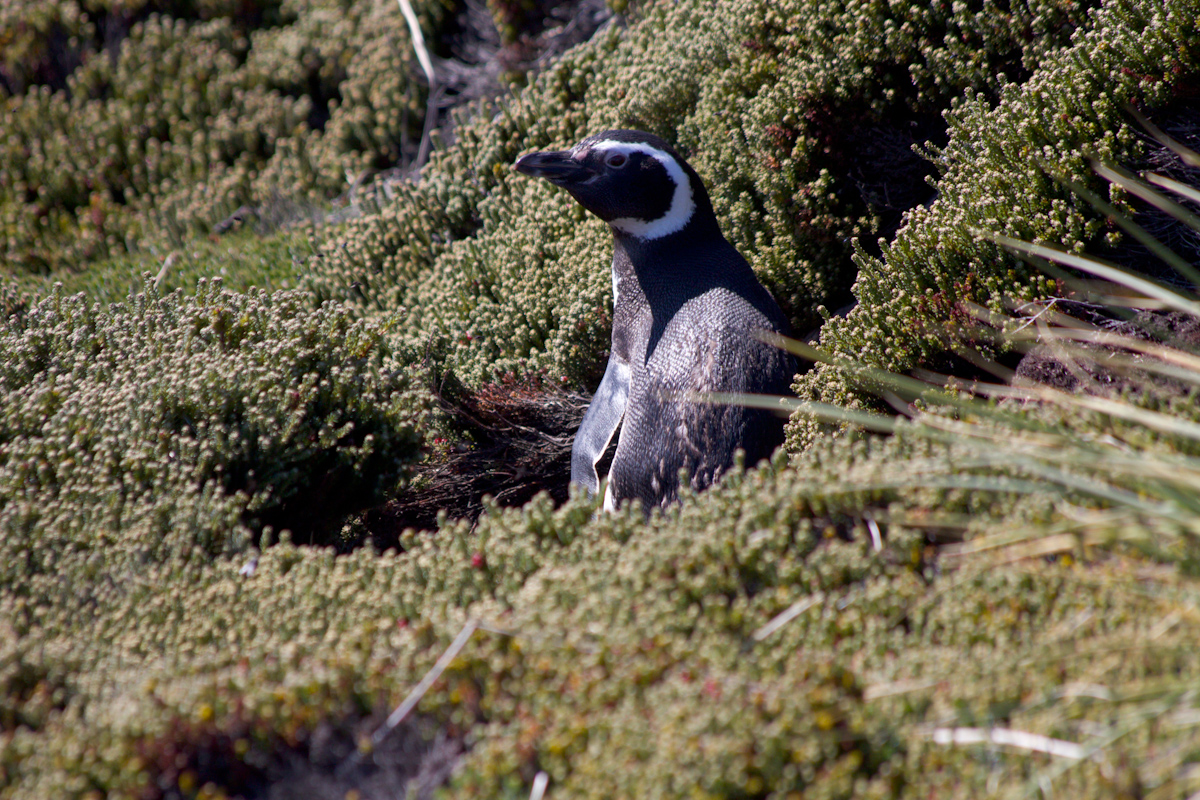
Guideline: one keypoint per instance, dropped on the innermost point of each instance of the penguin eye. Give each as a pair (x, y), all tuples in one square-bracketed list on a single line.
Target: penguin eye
[(616, 160)]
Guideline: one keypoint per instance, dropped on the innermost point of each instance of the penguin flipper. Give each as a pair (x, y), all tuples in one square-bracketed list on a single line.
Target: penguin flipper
[(599, 424)]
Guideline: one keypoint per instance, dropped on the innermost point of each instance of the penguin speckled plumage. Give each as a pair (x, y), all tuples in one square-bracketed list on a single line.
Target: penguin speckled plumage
[(686, 311)]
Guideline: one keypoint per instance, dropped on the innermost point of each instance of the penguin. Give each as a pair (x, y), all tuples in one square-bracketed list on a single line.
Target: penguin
[(688, 314)]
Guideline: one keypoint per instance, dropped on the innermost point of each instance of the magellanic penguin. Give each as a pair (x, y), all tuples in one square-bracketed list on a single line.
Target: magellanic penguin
[(686, 310)]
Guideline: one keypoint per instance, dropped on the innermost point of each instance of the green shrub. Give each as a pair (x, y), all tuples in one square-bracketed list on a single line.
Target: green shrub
[(162, 133), (791, 630), (171, 426), (994, 177), (635, 653)]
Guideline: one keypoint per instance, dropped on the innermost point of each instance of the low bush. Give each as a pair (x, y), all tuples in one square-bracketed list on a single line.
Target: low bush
[(171, 426), (862, 618), (150, 123), (999, 174)]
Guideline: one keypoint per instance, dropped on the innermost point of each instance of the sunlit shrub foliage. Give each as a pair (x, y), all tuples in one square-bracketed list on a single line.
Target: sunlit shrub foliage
[(837, 624)]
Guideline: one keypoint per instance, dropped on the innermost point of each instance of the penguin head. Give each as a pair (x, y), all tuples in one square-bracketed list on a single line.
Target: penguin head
[(632, 180)]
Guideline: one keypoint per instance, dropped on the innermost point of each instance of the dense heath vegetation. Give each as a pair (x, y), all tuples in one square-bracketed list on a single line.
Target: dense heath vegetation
[(244, 334)]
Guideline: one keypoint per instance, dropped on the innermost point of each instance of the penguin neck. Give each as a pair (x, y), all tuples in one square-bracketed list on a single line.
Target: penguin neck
[(665, 265)]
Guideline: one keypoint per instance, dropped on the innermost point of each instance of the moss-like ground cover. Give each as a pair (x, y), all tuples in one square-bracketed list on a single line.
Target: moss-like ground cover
[(177, 452)]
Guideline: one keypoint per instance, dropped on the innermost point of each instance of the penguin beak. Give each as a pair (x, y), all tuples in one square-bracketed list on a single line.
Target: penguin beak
[(557, 167)]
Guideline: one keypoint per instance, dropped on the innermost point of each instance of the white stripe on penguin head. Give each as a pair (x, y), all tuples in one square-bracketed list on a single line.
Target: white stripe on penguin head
[(682, 203)]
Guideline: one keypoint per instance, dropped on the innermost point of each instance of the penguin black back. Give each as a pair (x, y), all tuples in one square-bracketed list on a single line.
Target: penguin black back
[(687, 312)]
